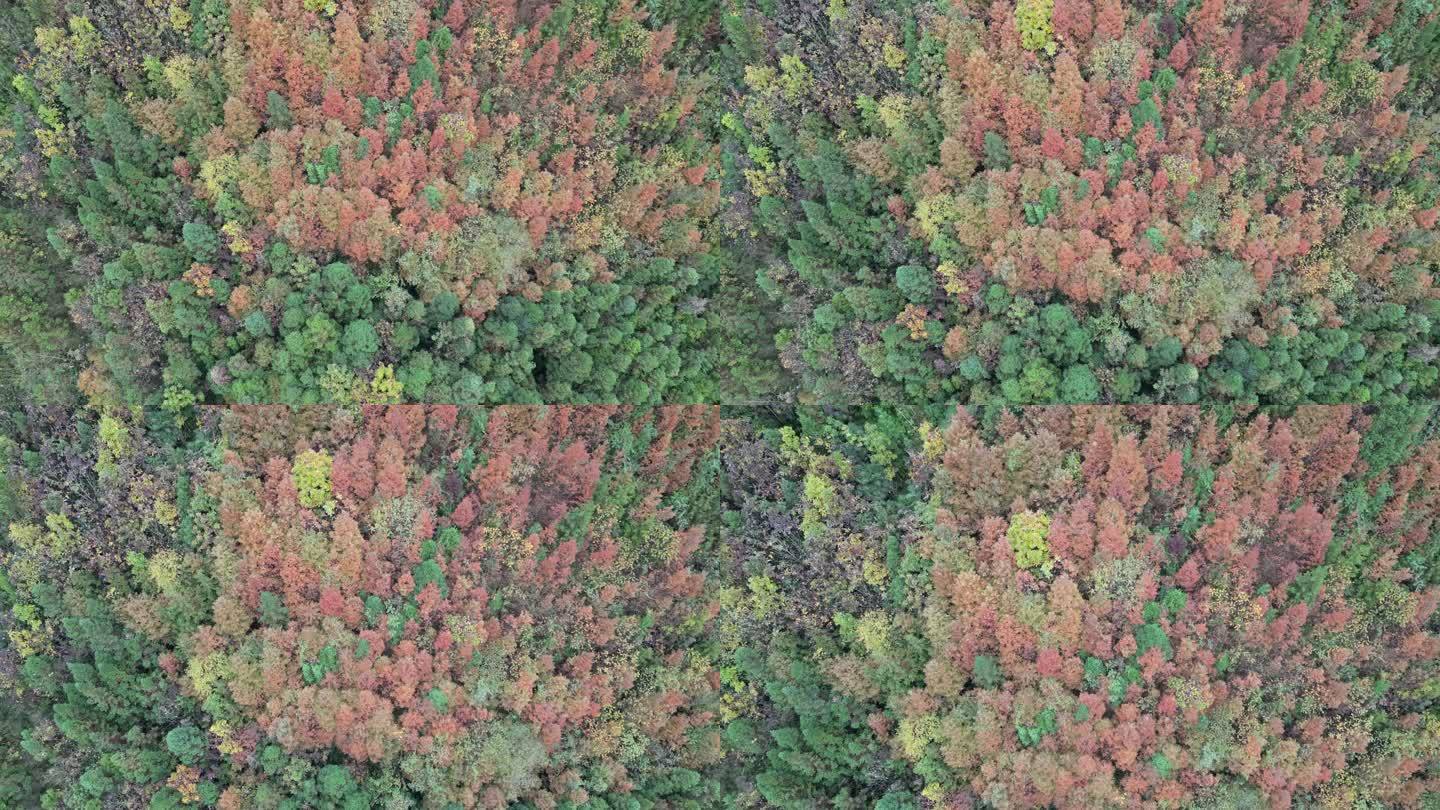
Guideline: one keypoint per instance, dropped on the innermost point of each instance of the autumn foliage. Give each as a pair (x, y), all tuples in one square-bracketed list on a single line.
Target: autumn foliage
[(347, 202), (1079, 202), (425, 129), (502, 603), (1231, 614), (552, 605), (733, 404)]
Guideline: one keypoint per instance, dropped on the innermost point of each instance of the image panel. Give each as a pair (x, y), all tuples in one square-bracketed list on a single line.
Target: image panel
[(1080, 607), (407, 606), (338, 201), (1040, 202)]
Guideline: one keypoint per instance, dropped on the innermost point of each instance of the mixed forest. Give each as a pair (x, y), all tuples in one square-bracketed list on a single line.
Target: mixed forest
[(720, 404), (601, 606)]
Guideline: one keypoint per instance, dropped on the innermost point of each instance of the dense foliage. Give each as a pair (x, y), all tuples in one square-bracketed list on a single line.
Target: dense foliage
[(298, 201), (1096, 607), (901, 201), (1077, 202), (354, 608), (734, 404), (601, 606)]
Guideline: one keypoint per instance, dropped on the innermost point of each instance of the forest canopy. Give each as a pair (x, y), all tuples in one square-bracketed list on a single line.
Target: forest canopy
[(907, 202), (1093, 202), (356, 608), (1090, 607), (601, 606), (719, 404)]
